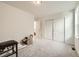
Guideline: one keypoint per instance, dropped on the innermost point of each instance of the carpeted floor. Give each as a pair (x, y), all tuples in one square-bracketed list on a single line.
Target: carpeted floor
[(47, 48)]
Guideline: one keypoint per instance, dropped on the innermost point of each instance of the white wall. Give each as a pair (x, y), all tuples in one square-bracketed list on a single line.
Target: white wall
[(43, 21), (58, 32), (15, 24), (37, 29), (69, 32), (77, 29)]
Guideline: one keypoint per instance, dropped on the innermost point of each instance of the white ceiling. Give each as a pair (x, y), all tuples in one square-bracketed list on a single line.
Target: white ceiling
[(45, 9)]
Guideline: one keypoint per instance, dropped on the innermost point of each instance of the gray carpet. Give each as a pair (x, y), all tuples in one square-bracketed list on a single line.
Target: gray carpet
[(47, 48)]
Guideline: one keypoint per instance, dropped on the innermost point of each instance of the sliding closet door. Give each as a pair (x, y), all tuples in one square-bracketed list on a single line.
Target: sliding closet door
[(58, 26), (48, 29)]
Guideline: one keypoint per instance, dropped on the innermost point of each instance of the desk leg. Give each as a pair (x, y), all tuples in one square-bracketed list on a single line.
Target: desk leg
[(16, 50)]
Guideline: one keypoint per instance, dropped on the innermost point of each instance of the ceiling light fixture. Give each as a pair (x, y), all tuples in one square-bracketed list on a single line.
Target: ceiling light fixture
[(37, 2)]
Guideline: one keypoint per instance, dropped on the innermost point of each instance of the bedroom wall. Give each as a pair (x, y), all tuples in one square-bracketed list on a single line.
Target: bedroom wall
[(77, 29), (58, 27), (46, 31), (69, 28), (37, 29), (15, 24)]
